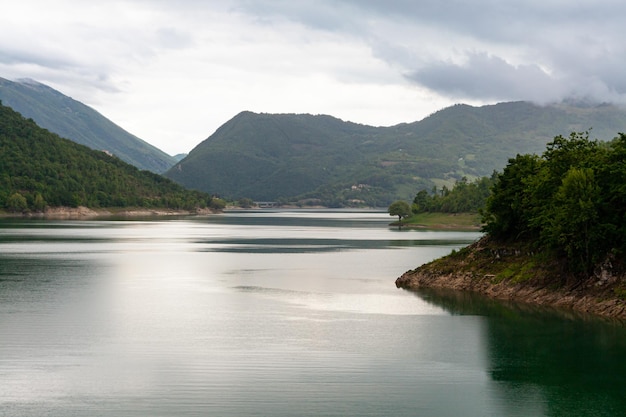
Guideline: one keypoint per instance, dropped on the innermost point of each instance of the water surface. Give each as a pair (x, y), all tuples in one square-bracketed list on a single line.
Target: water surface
[(276, 313)]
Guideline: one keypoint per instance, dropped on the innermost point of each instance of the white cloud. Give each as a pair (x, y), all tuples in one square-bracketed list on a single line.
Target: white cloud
[(172, 72)]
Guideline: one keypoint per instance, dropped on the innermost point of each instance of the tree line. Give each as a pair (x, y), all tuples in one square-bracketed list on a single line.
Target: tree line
[(463, 197)]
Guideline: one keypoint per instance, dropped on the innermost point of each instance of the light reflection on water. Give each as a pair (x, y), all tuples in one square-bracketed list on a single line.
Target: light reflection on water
[(255, 313)]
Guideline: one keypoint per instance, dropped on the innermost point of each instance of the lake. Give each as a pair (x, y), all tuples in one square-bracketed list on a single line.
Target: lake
[(277, 313)]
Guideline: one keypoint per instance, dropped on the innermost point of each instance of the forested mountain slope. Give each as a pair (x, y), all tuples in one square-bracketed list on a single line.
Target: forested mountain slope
[(266, 156), (73, 120), (327, 160), (38, 169)]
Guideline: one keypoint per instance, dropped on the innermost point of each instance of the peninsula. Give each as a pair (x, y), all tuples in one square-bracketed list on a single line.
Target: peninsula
[(555, 232)]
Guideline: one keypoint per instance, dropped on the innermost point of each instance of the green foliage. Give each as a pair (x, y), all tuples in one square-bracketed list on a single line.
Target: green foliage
[(75, 121), (575, 222), (570, 201), (39, 204), (399, 208), (291, 157), (16, 203), (507, 207), (39, 169), (464, 197), (245, 202), (516, 272), (217, 204)]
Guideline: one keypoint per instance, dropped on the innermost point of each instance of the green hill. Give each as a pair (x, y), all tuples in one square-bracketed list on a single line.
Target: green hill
[(75, 121), (38, 169), (271, 156), (325, 160)]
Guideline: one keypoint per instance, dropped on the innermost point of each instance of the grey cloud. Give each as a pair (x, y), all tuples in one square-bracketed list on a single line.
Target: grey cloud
[(56, 69), (560, 48), (11, 57), (575, 42), (486, 19), (487, 77)]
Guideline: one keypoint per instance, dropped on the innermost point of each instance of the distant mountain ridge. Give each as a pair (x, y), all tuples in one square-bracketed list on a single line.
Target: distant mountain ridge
[(73, 120), (324, 159)]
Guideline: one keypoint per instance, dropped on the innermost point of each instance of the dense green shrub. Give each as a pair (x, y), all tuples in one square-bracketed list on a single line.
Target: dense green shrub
[(571, 200)]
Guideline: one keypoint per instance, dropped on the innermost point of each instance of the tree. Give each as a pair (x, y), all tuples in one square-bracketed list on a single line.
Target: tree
[(506, 211), (575, 228), (399, 208), (245, 202), (464, 197), (420, 202), (17, 203), (39, 204)]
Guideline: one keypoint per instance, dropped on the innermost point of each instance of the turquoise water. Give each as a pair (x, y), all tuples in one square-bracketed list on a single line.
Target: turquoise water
[(277, 313)]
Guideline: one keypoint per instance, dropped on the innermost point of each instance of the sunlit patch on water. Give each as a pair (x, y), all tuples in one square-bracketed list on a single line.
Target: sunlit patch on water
[(349, 303)]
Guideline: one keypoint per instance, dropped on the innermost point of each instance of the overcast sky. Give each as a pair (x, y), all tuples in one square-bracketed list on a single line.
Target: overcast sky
[(172, 72)]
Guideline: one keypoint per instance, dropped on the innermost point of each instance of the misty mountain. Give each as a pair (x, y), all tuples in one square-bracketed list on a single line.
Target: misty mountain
[(73, 120), (290, 157)]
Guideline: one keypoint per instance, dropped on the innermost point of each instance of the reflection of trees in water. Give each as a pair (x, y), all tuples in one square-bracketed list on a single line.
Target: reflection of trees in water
[(576, 364)]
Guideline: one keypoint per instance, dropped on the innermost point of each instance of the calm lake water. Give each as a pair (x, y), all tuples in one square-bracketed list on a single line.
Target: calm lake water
[(275, 313)]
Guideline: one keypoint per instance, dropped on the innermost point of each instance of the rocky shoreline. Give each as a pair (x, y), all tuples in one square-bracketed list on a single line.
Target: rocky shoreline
[(599, 294)]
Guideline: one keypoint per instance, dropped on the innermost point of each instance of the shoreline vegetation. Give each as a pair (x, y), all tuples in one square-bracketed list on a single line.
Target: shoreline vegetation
[(513, 272), (510, 273)]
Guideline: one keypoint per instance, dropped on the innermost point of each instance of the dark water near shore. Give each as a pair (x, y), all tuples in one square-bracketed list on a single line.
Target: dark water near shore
[(277, 314)]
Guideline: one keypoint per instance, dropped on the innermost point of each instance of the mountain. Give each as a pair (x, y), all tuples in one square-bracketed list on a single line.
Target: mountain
[(269, 156), (38, 169), (322, 159), (73, 120)]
